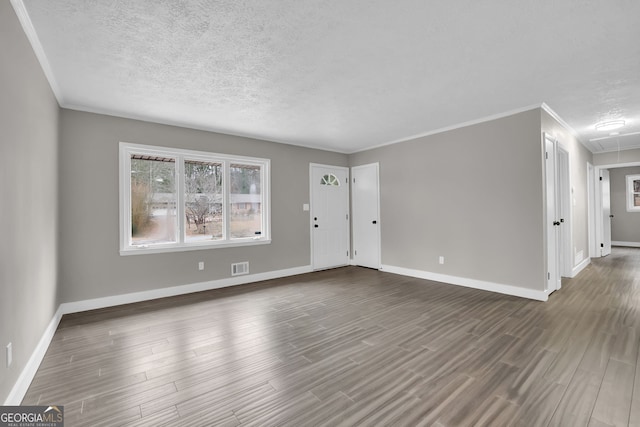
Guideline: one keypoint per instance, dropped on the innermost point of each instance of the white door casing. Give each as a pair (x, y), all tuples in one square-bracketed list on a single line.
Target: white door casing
[(329, 216), (605, 200), (591, 186), (365, 208), (564, 211), (602, 220), (551, 220)]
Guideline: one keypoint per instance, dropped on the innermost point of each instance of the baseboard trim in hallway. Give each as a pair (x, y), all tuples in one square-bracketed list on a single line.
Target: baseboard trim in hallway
[(626, 244)]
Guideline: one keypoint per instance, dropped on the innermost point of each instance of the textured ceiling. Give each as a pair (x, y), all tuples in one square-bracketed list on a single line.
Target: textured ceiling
[(343, 75)]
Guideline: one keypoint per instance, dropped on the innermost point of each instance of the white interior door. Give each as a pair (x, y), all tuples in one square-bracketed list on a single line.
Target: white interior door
[(605, 200), (329, 216), (552, 220), (564, 212), (366, 215), (591, 185)]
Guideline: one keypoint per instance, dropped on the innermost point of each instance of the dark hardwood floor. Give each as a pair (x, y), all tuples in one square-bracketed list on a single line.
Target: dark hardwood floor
[(354, 346)]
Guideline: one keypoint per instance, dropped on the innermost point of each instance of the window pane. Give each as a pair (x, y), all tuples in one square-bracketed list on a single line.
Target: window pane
[(245, 204), (636, 185), (636, 200), (330, 179), (203, 201), (153, 200)]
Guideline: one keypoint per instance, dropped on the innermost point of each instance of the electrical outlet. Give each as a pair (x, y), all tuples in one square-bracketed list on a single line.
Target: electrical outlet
[(9, 355), (441, 260), (201, 265)]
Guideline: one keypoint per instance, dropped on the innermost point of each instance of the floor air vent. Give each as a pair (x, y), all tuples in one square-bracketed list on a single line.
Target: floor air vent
[(240, 268)]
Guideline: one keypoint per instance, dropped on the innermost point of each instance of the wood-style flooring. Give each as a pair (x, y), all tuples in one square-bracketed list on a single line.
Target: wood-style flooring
[(354, 346)]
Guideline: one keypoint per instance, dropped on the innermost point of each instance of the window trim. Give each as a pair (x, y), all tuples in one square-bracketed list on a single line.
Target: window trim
[(630, 193), (127, 149)]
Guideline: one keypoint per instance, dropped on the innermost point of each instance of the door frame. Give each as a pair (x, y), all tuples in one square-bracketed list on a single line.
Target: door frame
[(597, 206), (348, 196), (379, 233), (600, 212), (565, 211), (562, 198), (552, 249), (591, 210)]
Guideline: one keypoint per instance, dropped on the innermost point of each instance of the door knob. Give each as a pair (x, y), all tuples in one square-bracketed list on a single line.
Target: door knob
[(556, 222), (374, 222), (316, 225), (610, 216)]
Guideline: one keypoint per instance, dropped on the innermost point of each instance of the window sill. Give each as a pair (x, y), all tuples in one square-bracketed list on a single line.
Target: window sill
[(192, 247)]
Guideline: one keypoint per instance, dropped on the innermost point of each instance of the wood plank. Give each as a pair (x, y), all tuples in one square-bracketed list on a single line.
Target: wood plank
[(613, 403), (577, 403), (496, 412), (540, 404), (596, 356), (634, 415)]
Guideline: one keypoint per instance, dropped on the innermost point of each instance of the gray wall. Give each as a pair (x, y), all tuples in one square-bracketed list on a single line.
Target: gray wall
[(617, 157), (625, 226), (578, 158), (473, 195), (28, 198), (90, 264)]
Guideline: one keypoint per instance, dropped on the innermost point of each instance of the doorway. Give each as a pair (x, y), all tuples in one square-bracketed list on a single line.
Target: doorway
[(564, 208), (365, 208), (605, 206), (558, 213), (552, 222), (602, 214), (591, 186), (329, 216)]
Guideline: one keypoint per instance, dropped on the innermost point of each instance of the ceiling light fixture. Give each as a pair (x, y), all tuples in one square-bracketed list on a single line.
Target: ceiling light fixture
[(610, 125)]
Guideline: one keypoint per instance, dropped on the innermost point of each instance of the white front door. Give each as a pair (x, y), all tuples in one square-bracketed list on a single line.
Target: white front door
[(552, 220), (329, 216), (605, 191), (366, 215)]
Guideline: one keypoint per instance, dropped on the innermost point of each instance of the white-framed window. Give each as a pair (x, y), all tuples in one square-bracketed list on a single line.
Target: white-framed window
[(179, 200), (633, 193)]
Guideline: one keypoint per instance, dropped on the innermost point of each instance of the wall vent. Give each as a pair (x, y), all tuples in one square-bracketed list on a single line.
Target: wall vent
[(240, 268)]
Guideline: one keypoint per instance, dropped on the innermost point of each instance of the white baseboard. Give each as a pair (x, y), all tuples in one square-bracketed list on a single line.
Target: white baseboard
[(578, 268), (26, 376), (469, 283), (92, 304), (24, 380), (628, 244)]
